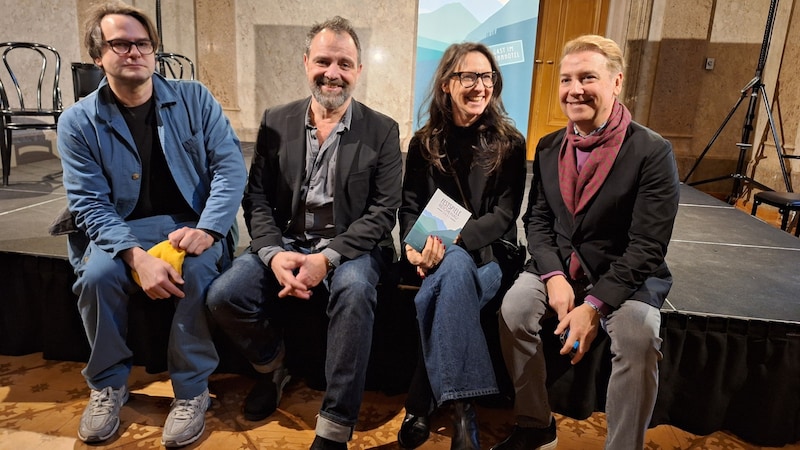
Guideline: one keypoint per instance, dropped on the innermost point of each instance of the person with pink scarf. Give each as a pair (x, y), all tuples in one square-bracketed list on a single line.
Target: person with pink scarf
[(600, 214)]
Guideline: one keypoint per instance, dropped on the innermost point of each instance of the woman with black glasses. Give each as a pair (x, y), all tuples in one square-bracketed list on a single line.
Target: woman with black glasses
[(470, 150)]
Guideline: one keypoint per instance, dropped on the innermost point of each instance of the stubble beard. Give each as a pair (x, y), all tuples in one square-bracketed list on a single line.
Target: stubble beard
[(330, 101)]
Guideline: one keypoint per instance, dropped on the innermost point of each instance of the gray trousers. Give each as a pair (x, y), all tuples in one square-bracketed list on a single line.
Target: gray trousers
[(632, 387)]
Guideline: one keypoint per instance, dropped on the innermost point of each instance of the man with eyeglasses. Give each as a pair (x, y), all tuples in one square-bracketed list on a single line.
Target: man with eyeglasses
[(146, 161), (123, 47)]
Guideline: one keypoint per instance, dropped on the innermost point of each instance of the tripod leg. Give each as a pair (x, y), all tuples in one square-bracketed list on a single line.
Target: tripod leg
[(714, 138), (744, 144), (778, 146)]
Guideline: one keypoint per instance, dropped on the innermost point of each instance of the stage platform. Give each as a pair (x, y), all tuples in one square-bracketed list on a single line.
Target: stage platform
[(731, 325), (728, 263)]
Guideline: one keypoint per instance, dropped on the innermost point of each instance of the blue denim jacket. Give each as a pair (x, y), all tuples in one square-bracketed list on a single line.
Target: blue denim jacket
[(102, 170)]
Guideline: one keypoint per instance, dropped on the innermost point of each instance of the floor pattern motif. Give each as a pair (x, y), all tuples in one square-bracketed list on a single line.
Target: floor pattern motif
[(41, 402)]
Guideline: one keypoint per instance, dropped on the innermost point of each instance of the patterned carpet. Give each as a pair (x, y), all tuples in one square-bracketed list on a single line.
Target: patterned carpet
[(41, 403)]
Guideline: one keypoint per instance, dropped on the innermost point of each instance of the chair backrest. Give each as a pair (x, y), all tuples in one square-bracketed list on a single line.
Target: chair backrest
[(30, 80), (85, 78), (173, 65)]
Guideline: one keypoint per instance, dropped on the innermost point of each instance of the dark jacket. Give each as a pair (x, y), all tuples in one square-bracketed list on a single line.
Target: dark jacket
[(368, 171), (495, 199), (622, 234)]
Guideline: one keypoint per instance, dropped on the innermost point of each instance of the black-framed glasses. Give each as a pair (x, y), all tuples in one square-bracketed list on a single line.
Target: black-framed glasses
[(122, 47), (468, 79)]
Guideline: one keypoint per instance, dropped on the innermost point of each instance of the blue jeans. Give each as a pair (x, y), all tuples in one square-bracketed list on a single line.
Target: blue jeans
[(104, 286), (448, 306), (241, 301)]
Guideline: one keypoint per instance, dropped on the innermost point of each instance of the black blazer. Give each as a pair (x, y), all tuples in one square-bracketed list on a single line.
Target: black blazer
[(622, 234), (368, 171), (495, 199)]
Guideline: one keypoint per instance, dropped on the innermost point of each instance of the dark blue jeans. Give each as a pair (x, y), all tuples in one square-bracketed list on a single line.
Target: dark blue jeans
[(240, 302), (449, 306)]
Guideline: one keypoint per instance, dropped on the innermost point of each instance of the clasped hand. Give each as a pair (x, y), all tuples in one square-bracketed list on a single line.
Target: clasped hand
[(298, 273), (582, 322), (430, 257)]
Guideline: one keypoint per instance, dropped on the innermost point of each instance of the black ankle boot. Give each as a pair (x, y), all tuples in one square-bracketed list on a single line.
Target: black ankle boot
[(414, 431), (320, 443), (465, 427), (530, 438), (265, 395)]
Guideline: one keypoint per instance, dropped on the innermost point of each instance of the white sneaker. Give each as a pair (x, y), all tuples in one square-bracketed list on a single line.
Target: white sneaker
[(100, 418), (186, 421)]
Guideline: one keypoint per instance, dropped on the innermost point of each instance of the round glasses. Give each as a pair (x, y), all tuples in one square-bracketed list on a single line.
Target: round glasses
[(469, 79), (122, 47)]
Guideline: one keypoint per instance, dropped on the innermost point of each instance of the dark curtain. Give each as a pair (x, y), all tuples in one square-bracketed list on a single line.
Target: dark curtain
[(731, 374), (718, 373)]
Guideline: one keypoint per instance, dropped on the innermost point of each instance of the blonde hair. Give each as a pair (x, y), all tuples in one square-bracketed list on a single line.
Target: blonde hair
[(598, 44)]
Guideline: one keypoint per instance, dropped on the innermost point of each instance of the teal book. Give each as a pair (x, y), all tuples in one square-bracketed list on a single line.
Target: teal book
[(442, 217)]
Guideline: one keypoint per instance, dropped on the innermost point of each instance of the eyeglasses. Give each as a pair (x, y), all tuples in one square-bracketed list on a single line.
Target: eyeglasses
[(469, 79), (122, 47)]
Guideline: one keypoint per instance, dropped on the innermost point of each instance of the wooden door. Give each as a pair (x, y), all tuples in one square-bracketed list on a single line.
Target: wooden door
[(559, 21)]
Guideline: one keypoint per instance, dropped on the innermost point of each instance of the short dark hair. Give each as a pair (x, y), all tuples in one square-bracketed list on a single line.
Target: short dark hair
[(93, 35), (338, 25)]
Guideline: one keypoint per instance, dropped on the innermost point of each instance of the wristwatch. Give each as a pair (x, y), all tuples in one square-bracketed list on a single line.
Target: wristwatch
[(595, 307)]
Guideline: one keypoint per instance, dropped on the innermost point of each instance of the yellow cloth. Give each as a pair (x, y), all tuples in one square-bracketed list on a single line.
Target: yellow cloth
[(164, 250)]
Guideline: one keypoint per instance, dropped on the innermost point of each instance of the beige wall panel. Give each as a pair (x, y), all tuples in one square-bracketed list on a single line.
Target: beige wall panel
[(217, 53), (270, 43)]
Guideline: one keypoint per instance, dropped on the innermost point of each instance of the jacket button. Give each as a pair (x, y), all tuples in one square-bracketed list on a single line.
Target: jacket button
[(135, 176)]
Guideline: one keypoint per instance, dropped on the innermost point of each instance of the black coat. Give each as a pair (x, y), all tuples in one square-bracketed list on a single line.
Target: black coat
[(368, 171), (496, 198), (622, 234)]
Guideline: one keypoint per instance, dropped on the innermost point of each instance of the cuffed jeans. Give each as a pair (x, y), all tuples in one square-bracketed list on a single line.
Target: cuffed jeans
[(240, 302), (448, 306), (104, 286), (632, 387)]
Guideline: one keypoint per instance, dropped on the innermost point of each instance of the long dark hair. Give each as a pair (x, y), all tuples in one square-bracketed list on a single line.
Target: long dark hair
[(496, 129)]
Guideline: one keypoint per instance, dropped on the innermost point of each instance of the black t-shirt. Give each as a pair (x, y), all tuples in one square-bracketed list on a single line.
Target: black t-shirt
[(158, 194)]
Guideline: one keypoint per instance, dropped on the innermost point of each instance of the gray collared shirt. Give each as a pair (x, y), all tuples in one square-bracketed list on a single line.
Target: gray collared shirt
[(320, 178), (318, 188)]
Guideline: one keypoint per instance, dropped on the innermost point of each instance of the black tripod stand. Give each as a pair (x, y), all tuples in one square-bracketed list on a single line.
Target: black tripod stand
[(752, 89)]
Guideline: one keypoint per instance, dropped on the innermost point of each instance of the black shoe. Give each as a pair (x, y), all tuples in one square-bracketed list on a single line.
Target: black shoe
[(465, 431), (265, 396), (414, 431), (530, 438), (320, 443)]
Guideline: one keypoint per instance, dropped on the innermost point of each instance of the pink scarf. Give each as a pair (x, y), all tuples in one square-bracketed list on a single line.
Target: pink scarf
[(578, 189)]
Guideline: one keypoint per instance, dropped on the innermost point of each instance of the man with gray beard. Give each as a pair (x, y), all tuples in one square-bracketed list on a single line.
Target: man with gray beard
[(322, 196)]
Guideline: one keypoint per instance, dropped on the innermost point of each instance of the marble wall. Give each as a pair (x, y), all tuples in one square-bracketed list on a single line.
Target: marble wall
[(689, 104), (249, 53), (781, 85), (270, 43)]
